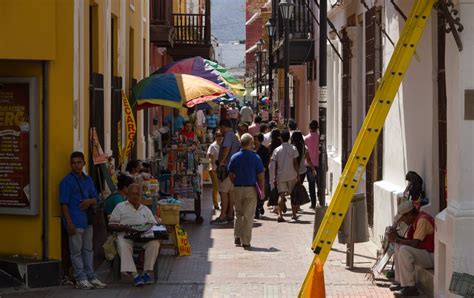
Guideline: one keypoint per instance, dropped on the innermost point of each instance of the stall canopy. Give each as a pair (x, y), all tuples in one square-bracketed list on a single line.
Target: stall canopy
[(206, 69), (174, 90)]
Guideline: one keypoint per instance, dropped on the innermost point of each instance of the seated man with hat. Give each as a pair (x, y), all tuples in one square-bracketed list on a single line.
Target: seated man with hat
[(415, 249), (125, 216)]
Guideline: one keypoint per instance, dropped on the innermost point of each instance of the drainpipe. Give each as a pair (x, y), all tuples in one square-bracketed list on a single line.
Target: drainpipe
[(45, 172), (322, 99)]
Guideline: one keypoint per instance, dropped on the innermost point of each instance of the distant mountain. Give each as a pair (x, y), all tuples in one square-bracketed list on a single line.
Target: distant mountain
[(228, 20)]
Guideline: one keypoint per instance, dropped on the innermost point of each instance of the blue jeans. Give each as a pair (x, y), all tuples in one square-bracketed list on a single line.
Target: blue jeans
[(312, 182), (82, 255)]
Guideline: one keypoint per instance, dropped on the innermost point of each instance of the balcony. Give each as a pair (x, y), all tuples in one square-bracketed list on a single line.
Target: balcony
[(161, 23), (184, 34), (301, 34)]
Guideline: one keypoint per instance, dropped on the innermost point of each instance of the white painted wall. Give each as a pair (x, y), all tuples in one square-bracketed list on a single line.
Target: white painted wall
[(410, 138), (410, 134), (455, 237)]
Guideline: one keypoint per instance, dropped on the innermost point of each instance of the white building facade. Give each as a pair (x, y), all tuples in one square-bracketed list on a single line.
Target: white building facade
[(411, 134)]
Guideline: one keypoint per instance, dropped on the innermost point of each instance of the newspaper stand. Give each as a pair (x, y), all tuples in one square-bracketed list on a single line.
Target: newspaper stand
[(184, 180)]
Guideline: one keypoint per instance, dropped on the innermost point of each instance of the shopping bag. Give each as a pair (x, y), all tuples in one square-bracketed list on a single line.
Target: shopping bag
[(273, 197), (184, 247), (299, 195), (110, 247)]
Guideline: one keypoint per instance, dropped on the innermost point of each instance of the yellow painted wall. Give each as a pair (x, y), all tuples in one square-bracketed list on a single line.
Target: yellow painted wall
[(22, 234), (60, 137), (27, 29)]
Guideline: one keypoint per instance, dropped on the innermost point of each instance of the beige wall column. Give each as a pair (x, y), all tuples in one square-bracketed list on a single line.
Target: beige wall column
[(301, 96), (313, 100)]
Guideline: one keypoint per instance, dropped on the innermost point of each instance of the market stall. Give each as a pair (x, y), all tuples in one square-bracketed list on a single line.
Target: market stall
[(178, 171)]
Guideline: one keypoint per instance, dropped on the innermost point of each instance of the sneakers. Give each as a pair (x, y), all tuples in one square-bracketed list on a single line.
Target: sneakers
[(138, 281), (147, 279), (406, 292), (395, 287), (237, 241), (219, 221), (84, 285), (97, 283)]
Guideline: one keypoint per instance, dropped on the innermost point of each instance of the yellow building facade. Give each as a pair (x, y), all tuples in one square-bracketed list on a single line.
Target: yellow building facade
[(78, 55)]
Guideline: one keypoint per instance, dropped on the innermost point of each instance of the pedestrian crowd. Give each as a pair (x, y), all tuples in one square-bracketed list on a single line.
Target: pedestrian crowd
[(256, 161), (250, 159)]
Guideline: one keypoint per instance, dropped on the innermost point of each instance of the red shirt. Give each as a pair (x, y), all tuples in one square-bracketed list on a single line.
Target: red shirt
[(187, 135), (428, 242)]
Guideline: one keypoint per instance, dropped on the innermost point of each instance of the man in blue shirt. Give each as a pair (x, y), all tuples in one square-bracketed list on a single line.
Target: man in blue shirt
[(248, 174), (77, 193), (175, 120)]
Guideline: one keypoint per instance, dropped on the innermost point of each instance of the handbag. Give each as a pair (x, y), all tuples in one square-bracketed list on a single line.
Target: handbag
[(273, 197), (110, 247), (299, 195), (222, 172), (184, 247)]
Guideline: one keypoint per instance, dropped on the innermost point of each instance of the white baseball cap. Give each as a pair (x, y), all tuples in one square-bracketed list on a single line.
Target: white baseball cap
[(403, 209)]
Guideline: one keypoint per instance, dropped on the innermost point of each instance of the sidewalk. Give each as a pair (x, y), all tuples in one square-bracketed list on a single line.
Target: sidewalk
[(275, 266)]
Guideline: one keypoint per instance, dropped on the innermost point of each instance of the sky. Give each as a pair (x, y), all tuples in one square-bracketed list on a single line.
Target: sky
[(228, 20)]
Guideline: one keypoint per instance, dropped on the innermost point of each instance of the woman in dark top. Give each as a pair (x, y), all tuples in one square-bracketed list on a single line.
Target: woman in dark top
[(275, 142), (264, 154)]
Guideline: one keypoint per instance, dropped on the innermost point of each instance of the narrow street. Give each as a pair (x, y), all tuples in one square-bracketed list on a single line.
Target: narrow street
[(275, 266)]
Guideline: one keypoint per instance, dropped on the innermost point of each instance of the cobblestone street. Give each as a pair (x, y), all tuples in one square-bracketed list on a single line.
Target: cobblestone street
[(274, 267)]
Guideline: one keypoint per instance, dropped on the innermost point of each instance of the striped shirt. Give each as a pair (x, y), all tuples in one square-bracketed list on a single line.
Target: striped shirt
[(212, 121)]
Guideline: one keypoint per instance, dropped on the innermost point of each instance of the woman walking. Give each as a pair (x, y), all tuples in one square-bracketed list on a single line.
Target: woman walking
[(303, 159), (275, 142), (213, 155)]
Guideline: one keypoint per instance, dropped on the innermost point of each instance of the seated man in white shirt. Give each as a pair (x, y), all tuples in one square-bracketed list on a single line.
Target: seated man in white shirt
[(126, 215)]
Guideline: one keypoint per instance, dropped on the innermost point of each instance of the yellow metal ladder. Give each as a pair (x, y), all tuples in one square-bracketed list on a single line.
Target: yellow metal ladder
[(370, 131)]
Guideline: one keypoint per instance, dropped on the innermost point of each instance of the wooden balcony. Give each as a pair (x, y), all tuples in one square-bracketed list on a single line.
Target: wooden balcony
[(301, 34), (184, 34), (161, 23), (192, 35)]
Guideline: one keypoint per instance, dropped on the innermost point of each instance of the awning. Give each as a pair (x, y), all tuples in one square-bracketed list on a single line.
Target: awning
[(264, 89), (251, 49), (253, 18)]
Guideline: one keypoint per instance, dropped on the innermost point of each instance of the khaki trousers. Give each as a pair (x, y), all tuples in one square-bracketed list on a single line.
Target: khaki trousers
[(125, 250), (406, 257), (215, 188), (245, 203)]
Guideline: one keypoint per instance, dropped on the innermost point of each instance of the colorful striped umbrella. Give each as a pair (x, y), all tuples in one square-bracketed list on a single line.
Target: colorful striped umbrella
[(174, 90), (207, 69)]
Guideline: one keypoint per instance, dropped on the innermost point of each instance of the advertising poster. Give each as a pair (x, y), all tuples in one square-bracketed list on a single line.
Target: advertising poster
[(14, 145)]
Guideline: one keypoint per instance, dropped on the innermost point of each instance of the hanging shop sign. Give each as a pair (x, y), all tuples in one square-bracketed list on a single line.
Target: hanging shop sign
[(130, 128), (19, 150)]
